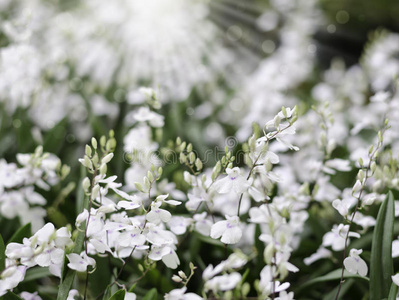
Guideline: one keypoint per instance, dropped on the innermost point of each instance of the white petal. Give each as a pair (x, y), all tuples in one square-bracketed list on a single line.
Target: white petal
[(128, 205), (173, 202), (165, 215), (350, 265), (171, 260), (218, 229), (232, 235), (362, 267), (223, 186), (395, 279), (153, 217)]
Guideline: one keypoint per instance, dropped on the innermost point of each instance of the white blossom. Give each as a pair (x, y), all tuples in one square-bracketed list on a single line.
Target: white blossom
[(354, 264)]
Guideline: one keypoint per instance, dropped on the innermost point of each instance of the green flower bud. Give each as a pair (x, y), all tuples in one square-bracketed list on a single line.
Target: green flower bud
[(86, 184), (94, 142), (198, 164), (88, 150)]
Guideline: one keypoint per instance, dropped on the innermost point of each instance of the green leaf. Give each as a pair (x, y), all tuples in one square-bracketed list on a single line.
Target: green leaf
[(119, 295), (65, 285), (23, 232), (107, 293), (151, 295), (381, 266), (101, 277), (344, 289), (393, 292), (332, 276), (36, 273), (2, 254)]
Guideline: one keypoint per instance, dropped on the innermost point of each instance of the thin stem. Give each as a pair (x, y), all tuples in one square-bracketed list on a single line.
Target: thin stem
[(87, 226), (372, 158)]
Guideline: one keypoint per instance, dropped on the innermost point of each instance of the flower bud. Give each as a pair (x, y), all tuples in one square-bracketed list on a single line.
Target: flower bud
[(198, 164), (176, 278), (65, 170), (150, 176), (139, 187), (88, 150), (107, 158), (356, 187), (160, 171), (183, 146), (87, 162), (103, 140), (191, 157), (245, 289), (95, 191), (182, 274), (284, 111), (373, 166), (111, 144), (187, 177), (86, 184), (94, 142), (182, 158), (147, 184), (361, 175), (268, 254), (103, 169)]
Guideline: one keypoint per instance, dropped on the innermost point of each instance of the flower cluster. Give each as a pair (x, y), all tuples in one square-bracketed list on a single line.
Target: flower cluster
[(18, 197)]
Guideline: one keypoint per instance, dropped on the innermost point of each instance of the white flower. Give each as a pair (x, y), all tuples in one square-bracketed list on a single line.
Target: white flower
[(171, 260), (285, 296), (202, 225), (229, 230), (395, 279), (130, 296), (73, 294), (233, 181), (380, 96), (395, 248), (354, 264), (30, 296), (144, 114), (178, 225), (180, 294), (156, 235), (80, 262), (223, 282), (156, 215), (320, 253), (344, 205), (267, 285), (337, 164), (11, 277), (336, 237), (167, 254), (131, 237)]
